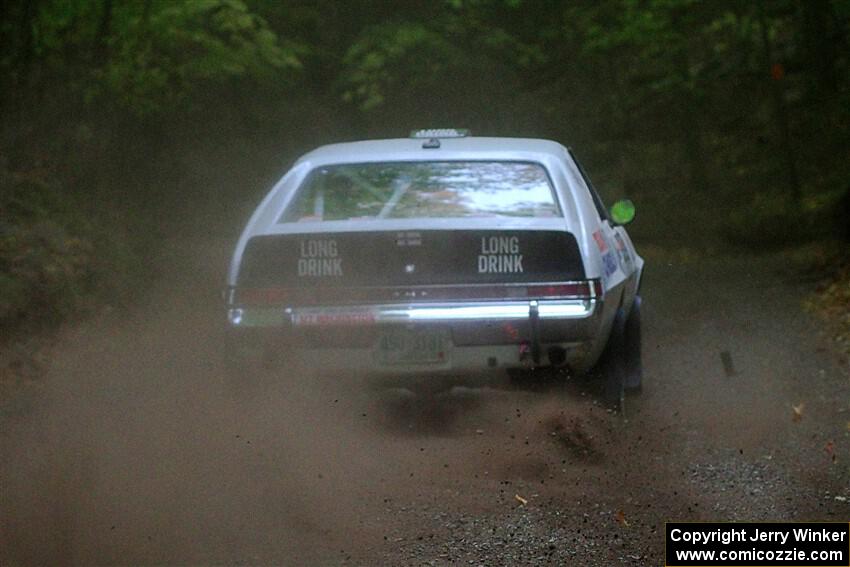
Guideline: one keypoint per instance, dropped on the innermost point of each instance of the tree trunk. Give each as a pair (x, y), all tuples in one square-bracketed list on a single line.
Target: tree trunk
[(100, 48), (692, 144), (26, 42), (18, 32), (820, 42), (780, 112), (688, 103)]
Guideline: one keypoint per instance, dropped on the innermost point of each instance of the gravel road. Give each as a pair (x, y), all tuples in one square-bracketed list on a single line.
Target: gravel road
[(129, 450)]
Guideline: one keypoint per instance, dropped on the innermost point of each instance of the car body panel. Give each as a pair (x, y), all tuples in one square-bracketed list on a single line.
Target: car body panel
[(421, 272)]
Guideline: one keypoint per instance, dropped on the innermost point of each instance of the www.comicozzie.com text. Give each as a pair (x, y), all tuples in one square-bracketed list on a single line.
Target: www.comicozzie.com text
[(755, 534)]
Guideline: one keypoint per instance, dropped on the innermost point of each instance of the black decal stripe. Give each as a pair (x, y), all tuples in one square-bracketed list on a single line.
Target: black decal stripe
[(441, 258)]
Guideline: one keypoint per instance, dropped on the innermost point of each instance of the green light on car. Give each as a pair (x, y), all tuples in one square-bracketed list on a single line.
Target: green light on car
[(623, 211)]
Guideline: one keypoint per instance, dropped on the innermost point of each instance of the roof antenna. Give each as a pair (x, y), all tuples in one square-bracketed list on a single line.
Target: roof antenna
[(431, 144)]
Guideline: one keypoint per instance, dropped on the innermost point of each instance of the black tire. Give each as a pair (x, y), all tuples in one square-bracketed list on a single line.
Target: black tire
[(634, 360), (614, 364)]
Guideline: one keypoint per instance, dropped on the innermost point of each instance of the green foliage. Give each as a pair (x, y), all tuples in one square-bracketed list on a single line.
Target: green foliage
[(388, 56), (771, 220), (715, 104), (44, 266), (57, 253), (156, 55), (185, 46)]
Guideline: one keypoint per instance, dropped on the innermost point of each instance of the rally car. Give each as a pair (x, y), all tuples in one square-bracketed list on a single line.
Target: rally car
[(440, 252)]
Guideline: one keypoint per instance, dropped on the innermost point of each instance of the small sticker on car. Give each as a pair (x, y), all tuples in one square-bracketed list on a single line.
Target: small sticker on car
[(600, 241), (623, 251), (610, 263)]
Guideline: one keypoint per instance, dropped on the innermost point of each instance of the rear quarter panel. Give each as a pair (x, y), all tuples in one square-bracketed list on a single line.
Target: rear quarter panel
[(587, 222)]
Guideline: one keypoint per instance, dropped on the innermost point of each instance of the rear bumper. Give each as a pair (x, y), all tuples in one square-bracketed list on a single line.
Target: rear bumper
[(444, 313), (483, 334)]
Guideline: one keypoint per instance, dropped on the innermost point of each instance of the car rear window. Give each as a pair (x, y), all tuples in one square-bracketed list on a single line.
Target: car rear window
[(394, 190)]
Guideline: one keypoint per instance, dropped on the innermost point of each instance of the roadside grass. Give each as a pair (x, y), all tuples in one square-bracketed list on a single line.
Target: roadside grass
[(831, 300)]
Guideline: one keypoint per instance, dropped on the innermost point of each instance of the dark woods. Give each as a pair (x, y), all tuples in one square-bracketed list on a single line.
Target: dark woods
[(126, 122)]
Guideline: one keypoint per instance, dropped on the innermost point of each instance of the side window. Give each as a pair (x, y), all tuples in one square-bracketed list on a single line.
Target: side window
[(597, 201)]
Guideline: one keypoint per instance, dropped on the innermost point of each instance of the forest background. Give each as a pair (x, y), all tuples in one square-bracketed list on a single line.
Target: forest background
[(132, 126)]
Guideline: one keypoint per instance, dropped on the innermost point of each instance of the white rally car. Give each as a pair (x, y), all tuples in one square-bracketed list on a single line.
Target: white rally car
[(439, 252)]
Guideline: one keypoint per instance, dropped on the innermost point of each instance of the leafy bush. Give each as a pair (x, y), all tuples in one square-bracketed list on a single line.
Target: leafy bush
[(773, 221), (831, 301), (53, 256)]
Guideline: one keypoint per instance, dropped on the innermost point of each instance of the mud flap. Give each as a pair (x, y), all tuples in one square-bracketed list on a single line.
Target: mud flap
[(614, 365), (634, 361)]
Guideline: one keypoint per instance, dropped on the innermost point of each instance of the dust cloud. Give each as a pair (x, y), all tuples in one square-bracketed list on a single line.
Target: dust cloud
[(134, 451)]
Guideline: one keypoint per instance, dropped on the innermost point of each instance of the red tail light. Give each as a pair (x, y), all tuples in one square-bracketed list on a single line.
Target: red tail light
[(278, 296), (262, 296), (581, 289)]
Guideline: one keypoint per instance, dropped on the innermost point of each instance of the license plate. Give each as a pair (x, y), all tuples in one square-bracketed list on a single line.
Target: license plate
[(405, 346)]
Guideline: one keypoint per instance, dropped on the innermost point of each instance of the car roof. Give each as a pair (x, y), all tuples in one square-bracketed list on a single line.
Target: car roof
[(400, 149)]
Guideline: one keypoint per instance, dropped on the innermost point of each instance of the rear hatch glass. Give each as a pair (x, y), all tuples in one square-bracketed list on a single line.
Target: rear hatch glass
[(431, 189)]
